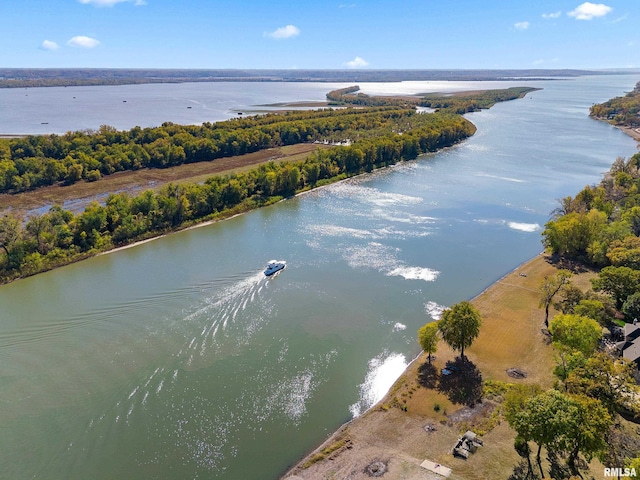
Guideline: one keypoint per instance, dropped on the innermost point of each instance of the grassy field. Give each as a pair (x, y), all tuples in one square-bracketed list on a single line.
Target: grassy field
[(394, 431), (78, 195)]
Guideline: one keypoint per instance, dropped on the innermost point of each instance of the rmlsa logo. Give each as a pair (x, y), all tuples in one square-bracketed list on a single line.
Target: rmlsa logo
[(623, 472)]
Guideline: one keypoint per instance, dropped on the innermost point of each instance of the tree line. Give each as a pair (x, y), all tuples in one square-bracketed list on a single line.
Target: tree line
[(455, 103), (41, 160), (601, 227), (594, 389), (58, 236)]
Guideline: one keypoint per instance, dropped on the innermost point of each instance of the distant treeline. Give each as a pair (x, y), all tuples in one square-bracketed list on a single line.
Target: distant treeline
[(35, 161), (455, 103), (45, 77), (620, 111), (59, 237)]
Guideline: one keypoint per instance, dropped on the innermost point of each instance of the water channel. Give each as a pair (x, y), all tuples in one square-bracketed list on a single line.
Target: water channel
[(178, 359)]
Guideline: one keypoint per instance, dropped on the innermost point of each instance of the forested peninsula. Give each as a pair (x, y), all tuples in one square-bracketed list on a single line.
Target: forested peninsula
[(364, 139), (363, 134)]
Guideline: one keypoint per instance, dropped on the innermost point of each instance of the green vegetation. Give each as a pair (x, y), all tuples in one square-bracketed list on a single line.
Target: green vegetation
[(576, 332), (59, 237), (36, 161), (620, 111), (428, 338), (460, 326), (454, 103), (601, 227), (463, 103)]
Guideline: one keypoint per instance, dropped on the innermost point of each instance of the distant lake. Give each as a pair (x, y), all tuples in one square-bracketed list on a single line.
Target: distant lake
[(62, 109), (179, 359)]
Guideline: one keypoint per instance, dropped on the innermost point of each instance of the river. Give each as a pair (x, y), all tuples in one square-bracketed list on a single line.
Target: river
[(178, 359)]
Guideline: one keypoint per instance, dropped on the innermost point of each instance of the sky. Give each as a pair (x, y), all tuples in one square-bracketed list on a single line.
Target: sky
[(320, 34)]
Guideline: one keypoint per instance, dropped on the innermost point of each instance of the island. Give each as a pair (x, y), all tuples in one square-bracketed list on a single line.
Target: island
[(131, 186)]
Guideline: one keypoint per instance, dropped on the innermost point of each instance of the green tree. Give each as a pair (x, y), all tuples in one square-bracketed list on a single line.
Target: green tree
[(626, 252), (564, 423), (9, 233), (619, 282), (428, 338), (609, 380), (577, 332), (631, 306), (460, 325), (594, 309), (37, 226), (550, 287), (571, 296)]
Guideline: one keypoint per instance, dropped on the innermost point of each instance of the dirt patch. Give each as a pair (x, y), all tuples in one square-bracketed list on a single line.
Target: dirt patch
[(467, 414), (376, 469), (516, 373)]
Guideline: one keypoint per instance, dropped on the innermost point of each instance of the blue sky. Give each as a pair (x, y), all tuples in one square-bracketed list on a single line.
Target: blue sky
[(376, 34)]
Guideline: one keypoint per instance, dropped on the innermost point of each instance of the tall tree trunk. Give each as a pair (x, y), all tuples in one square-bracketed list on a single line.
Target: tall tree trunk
[(539, 461), (546, 315)]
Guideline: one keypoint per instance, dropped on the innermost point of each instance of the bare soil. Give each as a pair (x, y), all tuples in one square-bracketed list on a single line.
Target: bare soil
[(423, 415), (82, 193)]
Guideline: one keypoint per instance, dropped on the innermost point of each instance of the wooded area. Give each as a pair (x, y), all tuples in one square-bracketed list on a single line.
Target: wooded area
[(377, 137), (620, 111)]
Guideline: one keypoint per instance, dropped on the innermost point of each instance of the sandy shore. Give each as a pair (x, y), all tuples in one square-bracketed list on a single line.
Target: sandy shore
[(632, 132), (414, 423)]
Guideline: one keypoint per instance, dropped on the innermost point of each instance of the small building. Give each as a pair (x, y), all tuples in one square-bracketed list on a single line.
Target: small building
[(629, 348)]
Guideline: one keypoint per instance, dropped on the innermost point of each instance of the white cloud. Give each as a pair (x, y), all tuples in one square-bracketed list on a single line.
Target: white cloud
[(284, 32), (589, 11), (110, 3), (552, 15), (83, 42), (521, 25), (49, 45), (357, 63)]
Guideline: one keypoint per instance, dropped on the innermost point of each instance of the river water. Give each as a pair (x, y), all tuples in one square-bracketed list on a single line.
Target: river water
[(178, 359)]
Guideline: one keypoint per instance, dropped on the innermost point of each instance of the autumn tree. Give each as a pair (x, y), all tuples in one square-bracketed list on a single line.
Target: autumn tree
[(577, 332), (460, 325), (428, 338)]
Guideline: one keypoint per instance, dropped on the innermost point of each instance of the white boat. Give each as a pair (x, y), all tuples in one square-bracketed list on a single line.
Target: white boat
[(274, 266)]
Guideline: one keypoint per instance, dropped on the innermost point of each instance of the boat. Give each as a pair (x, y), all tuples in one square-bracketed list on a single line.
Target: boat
[(274, 266)]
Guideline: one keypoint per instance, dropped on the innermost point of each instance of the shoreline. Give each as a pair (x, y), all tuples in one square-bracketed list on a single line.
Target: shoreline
[(631, 131), (375, 433)]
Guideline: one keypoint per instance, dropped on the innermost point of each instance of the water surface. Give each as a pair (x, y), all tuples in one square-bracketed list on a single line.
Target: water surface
[(178, 359)]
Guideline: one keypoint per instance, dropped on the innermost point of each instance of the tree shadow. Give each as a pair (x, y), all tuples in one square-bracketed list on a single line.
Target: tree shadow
[(428, 375), (522, 472), (557, 468), (464, 384)]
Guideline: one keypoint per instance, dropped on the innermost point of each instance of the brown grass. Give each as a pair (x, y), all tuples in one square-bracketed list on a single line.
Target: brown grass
[(393, 431), (82, 193)]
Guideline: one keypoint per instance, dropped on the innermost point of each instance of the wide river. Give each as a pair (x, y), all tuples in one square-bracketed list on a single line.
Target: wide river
[(178, 359)]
